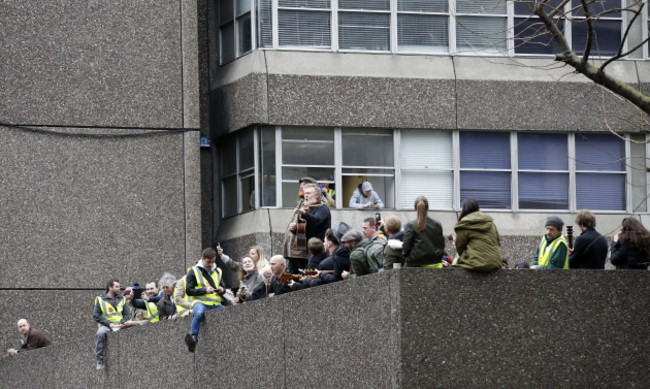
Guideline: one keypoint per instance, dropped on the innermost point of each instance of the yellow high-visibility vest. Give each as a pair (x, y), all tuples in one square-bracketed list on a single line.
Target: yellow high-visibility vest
[(181, 310), (152, 312), (109, 312), (206, 299), (546, 249)]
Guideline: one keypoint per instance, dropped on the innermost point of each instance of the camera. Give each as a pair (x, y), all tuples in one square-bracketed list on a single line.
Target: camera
[(378, 217)]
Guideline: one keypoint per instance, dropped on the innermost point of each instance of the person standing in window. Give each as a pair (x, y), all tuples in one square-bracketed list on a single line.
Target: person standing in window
[(477, 239), (553, 250), (590, 248), (365, 197), (631, 246), (424, 243)]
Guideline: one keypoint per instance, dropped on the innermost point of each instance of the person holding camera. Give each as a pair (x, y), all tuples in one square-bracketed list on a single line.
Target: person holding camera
[(365, 197)]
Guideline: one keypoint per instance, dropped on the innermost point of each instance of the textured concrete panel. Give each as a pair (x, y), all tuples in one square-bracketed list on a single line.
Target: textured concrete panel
[(63, 315), (155, 354), (192, 194), (566, 328), (361, 101), (93, 63), (77, 211), (546, 106), (241, 103), (243, 346), (340, 335)]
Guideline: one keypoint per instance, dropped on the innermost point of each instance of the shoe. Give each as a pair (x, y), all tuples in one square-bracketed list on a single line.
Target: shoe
[(190, 341), (100, 365)]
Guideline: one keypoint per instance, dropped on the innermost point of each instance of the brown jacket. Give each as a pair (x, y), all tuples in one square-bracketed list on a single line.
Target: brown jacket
[(35, 339)]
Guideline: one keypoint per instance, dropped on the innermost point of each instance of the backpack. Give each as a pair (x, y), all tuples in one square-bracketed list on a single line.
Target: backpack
[(374, 253)]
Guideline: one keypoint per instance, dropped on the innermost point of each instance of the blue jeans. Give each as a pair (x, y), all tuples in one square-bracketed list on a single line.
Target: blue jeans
[(199, 309)]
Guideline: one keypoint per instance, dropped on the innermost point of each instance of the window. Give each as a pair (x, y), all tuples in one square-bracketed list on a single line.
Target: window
[(543, 171), (368, 156), (426, 168), (235, 29), (304, 23), (485, 168), (607, 27), (364, 25), (506, 171), (484, 27)]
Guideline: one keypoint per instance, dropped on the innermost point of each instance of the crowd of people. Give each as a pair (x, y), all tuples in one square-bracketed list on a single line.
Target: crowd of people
[(317, 253)]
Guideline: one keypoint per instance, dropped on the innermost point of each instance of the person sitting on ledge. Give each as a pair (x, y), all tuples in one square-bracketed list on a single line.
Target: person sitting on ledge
[(553, 250), (30, 338), (111, 315)]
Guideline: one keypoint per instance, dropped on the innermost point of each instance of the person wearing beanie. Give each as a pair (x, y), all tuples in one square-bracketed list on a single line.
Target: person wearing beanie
[(553, 250), (365, 197)]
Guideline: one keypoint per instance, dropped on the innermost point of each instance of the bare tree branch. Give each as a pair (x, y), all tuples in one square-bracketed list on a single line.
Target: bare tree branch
[(620, 53), (590, 32)]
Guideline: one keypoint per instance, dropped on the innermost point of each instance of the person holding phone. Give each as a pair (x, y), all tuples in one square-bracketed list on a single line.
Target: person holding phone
[(365, 197)]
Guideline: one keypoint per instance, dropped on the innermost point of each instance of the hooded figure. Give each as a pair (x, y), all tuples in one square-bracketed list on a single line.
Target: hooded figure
[(478, 243)]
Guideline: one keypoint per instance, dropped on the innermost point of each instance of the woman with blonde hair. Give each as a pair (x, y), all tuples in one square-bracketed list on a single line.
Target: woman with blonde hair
[(257, 255), (424, 243)]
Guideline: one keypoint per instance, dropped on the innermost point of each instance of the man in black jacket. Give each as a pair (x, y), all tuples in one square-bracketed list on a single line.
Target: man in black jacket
[(590, 249), (275, 286)]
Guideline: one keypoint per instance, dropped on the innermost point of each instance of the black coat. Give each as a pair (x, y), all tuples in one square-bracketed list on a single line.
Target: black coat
[(318, 220), (625, 256), (166, 307), (589, 251)]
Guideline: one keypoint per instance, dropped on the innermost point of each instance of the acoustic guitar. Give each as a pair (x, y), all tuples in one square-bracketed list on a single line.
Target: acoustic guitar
[(301, 234)]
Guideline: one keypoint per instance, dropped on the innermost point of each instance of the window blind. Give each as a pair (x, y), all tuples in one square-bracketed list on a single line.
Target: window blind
[(600, 191), (304, 28), (481, 35), (542, 151), (361, 31), (490, 189), (481, 6), (543, 191), (423, 5), (484, 150), (601, 152), (423, 33)]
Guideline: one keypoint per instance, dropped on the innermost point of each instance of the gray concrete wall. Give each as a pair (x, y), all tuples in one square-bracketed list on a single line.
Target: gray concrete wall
[(93, 186), (407, 328), (418, 91)]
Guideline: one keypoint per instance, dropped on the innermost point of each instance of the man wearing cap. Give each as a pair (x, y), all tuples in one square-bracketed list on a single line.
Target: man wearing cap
[(317, 219), (365, 197), (553, 250), (368, 256)]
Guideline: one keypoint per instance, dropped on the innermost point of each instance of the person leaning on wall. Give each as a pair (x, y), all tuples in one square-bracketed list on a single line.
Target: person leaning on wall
[(30, 338)]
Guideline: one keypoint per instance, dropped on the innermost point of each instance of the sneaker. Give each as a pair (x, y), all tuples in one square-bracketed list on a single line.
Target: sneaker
[(190, 341), (100, 365)]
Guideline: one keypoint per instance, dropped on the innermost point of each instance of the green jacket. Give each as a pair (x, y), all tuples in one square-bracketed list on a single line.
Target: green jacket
[(478, 243)]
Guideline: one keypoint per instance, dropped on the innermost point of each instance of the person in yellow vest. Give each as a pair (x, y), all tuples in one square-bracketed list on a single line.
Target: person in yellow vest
[(204, 292), (111, 315), (553, 250)]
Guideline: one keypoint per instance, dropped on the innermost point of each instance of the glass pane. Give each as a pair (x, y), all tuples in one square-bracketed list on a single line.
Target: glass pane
[(244, 34), (437, 187), (248, 193), (290, 194), (229, 155), (358, 31), (481, 6), (543, 151), (600, 152), (422, 5), (228, 43), (606, 40), (265, 21), (365, 4), (485, 150), (246, 157), (307, 146), (319, 174), (425, 150), (364, 171), (230, 197), (304, 29), (543, 191), (600, 191), (243, 6), (532, 37), (268, 176), (304, 3), (490, 189), (525, 7), (384, 186), (226, 11), (481, 35), (597, 8), (639, 164), (422, 33), (366, 148)]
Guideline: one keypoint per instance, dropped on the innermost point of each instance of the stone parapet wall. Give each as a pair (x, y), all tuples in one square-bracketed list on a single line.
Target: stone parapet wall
[(406, 328)]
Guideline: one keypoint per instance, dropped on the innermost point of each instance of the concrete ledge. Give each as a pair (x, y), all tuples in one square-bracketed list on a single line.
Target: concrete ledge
[(407, 328)]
